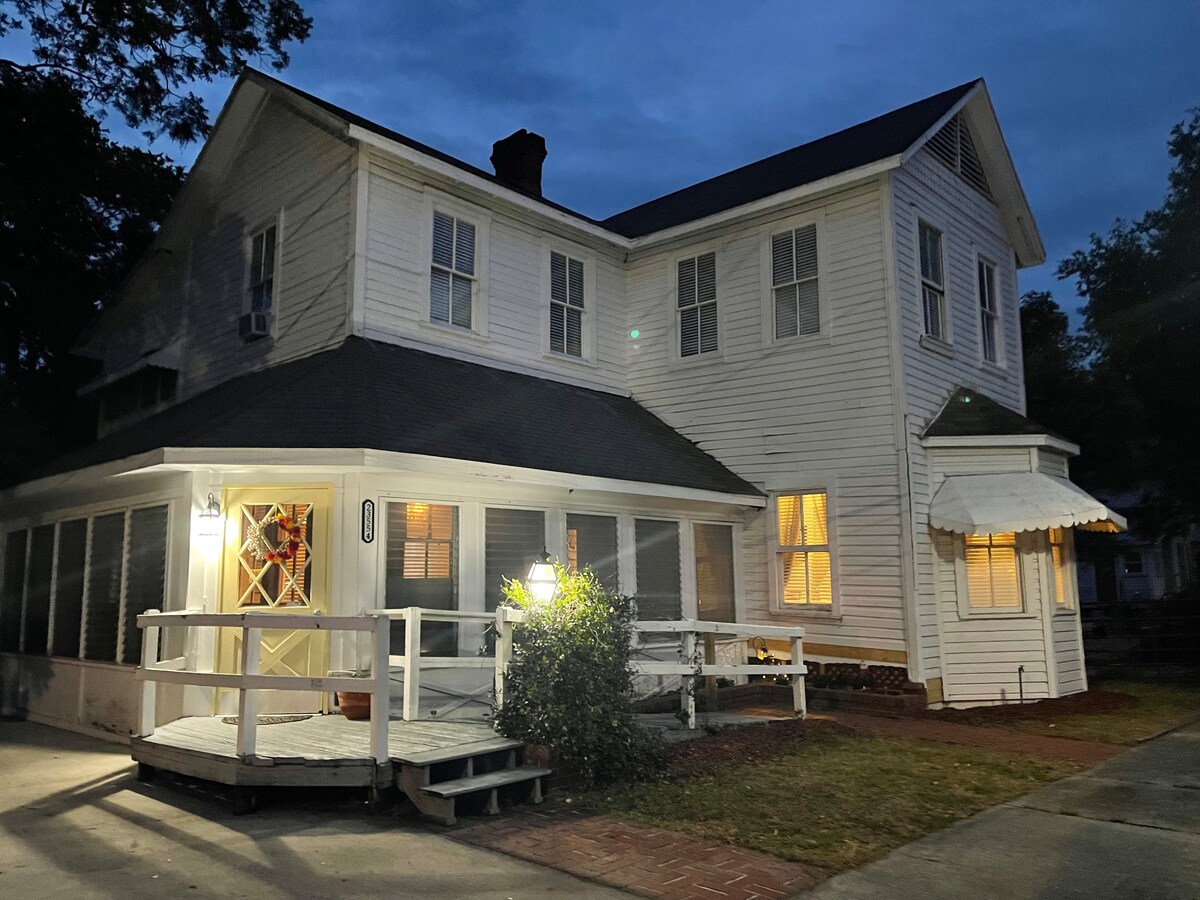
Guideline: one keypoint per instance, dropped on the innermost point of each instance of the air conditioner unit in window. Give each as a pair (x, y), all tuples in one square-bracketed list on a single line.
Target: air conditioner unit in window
[(253, 325)]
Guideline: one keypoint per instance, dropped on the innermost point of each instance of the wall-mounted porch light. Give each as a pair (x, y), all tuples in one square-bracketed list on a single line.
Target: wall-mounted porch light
[(541, 581), (210, 518)]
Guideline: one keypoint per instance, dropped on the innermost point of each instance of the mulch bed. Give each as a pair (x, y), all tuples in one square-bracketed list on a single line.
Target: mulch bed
[(745, 744), (1087, 703)]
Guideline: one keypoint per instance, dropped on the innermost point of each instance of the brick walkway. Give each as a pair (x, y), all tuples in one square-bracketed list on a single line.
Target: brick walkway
[(1087, 753), (646, 861)]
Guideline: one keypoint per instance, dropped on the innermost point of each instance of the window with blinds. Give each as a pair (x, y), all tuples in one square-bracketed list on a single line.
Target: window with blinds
[(696, 304), (714, 572), (954, 147), (794, 282), (262, 270), (989, 310), (146, 580), (592, 544), (993, 577), (12, 590), (803, 560), (1062, 558), (106, 565), (566, 305), (933, 283), (68, 588), (422, 570), (452, 273), (37, 593), (658, 571), (513, 539)]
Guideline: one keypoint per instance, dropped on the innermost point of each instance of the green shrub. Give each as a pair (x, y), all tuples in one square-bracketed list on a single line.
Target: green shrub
[(570, 686)]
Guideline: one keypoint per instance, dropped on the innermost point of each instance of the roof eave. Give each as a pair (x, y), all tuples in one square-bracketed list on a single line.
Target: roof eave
[(965, 441)]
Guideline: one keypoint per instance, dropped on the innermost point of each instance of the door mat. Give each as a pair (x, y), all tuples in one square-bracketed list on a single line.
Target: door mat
[(267, 720)]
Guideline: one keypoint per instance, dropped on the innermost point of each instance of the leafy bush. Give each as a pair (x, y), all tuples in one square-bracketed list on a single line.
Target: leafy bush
[(569, 685)]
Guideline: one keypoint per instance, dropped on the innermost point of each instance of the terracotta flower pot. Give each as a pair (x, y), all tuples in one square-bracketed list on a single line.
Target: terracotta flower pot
[(354, 705)]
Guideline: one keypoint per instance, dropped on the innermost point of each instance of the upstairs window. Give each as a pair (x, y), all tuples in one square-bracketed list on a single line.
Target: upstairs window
[(989, 314), (993, 579), (697, 304), (452, 273), (802, 556), (566, 305), (794, 282), (262, 270), (933, 282)]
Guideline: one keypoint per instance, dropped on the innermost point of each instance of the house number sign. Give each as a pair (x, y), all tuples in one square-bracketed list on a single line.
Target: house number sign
[(368, 521)]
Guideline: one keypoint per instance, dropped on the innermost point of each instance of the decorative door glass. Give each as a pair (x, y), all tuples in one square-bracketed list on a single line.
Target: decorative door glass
[(275, 555)]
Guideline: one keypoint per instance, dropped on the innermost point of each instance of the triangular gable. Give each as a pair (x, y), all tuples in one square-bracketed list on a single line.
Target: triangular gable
[(968, 139)]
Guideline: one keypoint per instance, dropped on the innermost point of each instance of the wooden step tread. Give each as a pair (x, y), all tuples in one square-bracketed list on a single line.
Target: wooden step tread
[(484, 782)]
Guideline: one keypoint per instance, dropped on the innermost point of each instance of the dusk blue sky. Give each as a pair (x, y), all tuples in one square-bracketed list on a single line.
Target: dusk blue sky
[(636, 99)]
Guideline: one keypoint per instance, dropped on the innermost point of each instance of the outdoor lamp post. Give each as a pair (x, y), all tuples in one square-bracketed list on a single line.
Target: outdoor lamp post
[(210, 518), (541, 581)]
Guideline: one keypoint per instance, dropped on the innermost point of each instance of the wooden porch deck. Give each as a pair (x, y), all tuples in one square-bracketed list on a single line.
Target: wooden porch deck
[(321, 751)]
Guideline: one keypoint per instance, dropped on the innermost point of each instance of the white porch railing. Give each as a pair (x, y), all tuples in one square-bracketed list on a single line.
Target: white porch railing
[(689, 665)]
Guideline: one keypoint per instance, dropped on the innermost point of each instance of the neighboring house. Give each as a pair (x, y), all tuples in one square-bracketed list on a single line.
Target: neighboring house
[(788, 394)]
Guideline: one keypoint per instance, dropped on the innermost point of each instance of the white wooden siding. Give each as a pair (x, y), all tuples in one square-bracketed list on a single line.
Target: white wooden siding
[(1068, 653), (1052, 463), (514, 279), (817, 412)]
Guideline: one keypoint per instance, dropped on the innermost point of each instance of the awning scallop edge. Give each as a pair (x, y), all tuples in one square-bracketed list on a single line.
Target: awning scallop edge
[(1017, 501)]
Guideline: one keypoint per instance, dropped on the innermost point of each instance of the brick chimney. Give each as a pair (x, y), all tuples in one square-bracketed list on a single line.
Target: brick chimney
[(518, 161)]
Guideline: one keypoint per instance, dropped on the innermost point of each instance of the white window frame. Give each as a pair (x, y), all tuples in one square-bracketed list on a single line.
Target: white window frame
[(1025, 552), (1068, 604), (804, 610), (452, 206), (676, 310), (248, 282), (946, 338), (591, 306), (766, 267), (692, 604), (995, 313)]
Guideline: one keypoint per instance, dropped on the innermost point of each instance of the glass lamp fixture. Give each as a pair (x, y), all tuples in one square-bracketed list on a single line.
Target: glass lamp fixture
[(541, 581), (210, 518)]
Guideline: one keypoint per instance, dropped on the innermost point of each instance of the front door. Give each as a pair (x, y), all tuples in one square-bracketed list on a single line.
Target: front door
[(276, 561)]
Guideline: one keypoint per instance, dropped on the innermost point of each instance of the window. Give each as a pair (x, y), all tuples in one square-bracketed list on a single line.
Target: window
[(993, 580), (592, 544), (989, 314), (262, 270), (452, 274), (933, 284), (696, 304), (566, 305), (12, 591), (802, 549), (106, 563), (68, 588), (37, 590), (146, 578), (1061, 559), (513, 539), (1133, 563), (714, 573), (658, 583), (794, 282), (422, 570)]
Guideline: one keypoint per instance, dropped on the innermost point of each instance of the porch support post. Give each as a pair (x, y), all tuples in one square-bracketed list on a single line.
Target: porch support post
[(504, 652), (799, 700), (687, 683), (247, 732), (146, 715), (381, 636), (412, 663)]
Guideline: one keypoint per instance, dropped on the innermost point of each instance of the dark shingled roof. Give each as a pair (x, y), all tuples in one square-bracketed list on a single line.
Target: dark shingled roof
[(970, 413), (366, 394), (879, 138)]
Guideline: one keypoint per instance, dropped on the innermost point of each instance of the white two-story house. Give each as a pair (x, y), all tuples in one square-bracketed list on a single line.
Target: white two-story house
[(354, 372)]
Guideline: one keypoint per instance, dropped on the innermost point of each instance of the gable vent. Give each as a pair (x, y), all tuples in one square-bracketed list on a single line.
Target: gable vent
[(954, 146)]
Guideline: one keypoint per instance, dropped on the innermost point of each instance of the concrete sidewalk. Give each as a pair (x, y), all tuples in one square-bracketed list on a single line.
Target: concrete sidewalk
[(1127, 829), (75, 824)]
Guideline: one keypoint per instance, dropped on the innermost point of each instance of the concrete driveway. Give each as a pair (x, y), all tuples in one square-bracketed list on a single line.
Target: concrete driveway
[(1128, 829), (74, 824)]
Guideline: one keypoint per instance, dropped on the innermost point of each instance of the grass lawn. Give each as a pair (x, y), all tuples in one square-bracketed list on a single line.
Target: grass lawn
[(1157, 707), (835, 801)]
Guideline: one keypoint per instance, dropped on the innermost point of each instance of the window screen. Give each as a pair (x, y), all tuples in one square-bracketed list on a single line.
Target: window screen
[(37, 600), (514, 538), (714, 573), (658, 592), (104, 587), (145, 585), (592, 544), (68, 587), (422, 570), (13, 590)]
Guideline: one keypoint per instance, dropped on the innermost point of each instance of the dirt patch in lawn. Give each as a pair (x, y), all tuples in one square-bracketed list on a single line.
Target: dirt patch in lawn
[(745, 744), (1087, 703)]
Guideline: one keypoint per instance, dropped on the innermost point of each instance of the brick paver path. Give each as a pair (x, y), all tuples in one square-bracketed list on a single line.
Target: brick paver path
[(1087, 753), (641, 859)]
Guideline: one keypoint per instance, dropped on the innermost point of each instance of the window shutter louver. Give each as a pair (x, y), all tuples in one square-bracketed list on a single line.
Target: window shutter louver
[(103, 600), (708, 327), (574, 333), (558, 277), (706, 278), (794, 274), (443, 240), (783, 263), (687, 282), (439, 296), (146, 581), (787, 311), (809, 313), (575, 297), (558, 328), (37, 593), (464, 247), (954, 147), (658, 581), (68, 587), (595, 541), (513, 539), (460, 302), (689, 331), (566, 305), (699, 321)]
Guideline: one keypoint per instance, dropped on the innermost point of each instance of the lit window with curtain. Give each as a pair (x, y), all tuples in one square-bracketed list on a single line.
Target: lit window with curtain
[(566, 305), (696, 303), (794, 282), (452, 272), (993, 577), (1062, 558), (802, 553)]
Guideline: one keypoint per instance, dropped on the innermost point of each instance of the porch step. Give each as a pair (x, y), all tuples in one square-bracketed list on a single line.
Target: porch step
[(487, 781)]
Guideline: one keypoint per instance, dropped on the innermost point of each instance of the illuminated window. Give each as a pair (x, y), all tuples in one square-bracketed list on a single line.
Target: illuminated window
[(1062, 558), (993, 581), (802, 549), (422, 570), (428, 540)]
